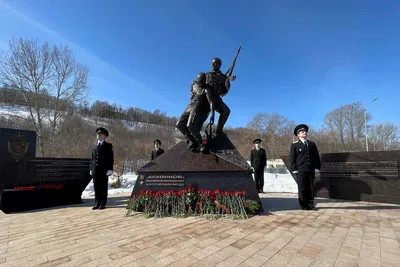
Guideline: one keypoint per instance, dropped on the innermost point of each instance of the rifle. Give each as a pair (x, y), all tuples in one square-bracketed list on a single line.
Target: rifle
[(230, 70)]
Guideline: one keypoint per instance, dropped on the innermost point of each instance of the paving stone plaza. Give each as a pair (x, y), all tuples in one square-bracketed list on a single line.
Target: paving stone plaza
[(340, 233)]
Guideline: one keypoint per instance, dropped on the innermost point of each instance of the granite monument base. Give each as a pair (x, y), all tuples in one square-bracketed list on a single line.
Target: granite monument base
[(178, 168), (29, 199), (367, 176)]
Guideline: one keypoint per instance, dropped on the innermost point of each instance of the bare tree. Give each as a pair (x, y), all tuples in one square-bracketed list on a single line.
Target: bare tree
[(385, 136), (275, 130), (346, 124), (38, 70)]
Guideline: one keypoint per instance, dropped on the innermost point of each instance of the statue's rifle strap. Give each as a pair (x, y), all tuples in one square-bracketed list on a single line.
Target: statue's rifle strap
[(208, 131)]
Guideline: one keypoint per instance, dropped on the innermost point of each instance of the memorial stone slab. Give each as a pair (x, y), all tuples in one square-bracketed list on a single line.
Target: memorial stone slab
[(16, 147), (27, 182), (368, 176)]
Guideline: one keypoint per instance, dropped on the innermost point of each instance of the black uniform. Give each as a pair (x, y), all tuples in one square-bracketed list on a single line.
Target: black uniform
[(196, 113), (102, 161), (304, 158), (258, 160), (155, 153)]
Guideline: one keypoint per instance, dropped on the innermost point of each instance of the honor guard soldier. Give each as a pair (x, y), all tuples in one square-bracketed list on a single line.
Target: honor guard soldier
[(157, 151), (101, 166), (305, 161), (258, 160)]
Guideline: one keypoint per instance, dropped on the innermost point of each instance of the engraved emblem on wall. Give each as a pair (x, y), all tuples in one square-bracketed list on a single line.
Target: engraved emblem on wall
[(17, 146)]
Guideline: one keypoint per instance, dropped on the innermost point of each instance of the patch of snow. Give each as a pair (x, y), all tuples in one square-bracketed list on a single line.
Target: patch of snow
[(279, 183), (128, 182), (22, 112)]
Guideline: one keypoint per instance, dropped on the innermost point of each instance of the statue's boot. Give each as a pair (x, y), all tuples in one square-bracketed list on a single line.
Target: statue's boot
[(193, 144), (190, 140), (195, 134), (221, 122)]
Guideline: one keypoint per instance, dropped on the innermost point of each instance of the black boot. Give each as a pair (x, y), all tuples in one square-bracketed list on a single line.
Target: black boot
[(221, 122), (193, 145)]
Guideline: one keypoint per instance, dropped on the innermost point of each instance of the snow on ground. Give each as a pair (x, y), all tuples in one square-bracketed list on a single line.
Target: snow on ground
[(279, 183), (14, 111), (128, 182)]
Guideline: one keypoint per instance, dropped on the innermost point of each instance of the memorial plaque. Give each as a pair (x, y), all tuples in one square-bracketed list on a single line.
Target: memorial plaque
[(368, 176), (50, 182), (59, 169), (388, 169), (73, 173), (175, 180)]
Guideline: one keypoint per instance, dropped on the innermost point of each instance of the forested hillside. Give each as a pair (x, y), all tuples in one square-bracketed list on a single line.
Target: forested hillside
[(50, 97)]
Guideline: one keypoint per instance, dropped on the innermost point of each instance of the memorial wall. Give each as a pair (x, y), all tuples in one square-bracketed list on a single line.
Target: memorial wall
[(27, 182), (369, 176)]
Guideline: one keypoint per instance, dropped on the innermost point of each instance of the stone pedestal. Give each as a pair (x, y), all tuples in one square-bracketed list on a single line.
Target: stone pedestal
[(179, 168)]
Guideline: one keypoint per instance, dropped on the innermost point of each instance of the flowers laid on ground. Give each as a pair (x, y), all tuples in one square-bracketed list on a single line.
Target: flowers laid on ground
[(188, 202)]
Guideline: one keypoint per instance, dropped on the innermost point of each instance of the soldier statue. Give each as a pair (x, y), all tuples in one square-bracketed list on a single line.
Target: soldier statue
[(196, 113), (219, 84), (207, 93)]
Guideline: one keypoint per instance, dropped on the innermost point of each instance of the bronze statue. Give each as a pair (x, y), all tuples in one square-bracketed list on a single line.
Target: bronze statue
[(196, 113), (207, 92), (220, 84)]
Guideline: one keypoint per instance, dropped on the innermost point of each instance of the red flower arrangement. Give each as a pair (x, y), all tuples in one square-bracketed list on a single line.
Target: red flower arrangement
[(189, 202)]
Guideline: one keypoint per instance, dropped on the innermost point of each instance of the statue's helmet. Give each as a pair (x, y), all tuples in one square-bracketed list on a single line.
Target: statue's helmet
[(216, 59), (201, 78), (217, 63)]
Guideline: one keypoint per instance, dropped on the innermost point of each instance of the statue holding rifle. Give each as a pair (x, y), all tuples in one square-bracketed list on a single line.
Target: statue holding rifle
[(206, 96), (219, 84)]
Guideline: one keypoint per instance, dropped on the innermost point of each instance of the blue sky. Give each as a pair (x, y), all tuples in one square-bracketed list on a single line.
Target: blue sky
[(299, 58)]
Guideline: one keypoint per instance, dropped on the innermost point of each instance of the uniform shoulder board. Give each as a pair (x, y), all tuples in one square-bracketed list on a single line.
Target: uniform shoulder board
[(295, 142)]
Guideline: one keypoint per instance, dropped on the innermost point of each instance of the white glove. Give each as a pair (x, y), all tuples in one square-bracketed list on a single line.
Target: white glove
[(316, 170), (295, 171), (109, 173), (90, 172)]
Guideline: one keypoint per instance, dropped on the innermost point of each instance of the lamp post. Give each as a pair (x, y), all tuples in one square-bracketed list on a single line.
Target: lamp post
[(365, 123)]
